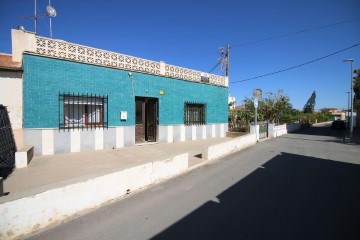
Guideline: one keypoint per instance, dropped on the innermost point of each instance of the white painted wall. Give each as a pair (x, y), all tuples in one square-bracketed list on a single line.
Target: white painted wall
[(164, 169), (47, 137), (222, 149), (22, 41), (75, 140), (277, 131), (11, 96), (292, 127), (170, 134)]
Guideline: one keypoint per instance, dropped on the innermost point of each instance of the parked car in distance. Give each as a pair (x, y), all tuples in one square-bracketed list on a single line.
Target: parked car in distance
[(338, 124)]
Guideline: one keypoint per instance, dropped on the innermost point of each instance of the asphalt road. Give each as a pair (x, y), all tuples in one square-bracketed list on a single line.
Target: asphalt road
[(304, 185)]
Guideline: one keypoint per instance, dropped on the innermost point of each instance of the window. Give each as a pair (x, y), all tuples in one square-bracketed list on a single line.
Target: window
[(82, 111), (194, 113)]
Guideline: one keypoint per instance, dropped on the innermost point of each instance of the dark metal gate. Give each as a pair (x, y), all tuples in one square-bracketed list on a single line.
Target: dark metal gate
[(7, 142), (263, 129)]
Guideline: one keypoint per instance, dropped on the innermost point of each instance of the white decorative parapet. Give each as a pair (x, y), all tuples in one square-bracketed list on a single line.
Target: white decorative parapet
[(78, 53), (192, 75), (27, 41)]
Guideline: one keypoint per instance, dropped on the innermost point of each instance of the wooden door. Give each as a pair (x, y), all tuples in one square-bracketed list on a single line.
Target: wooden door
[(139, 121), (151, 120)]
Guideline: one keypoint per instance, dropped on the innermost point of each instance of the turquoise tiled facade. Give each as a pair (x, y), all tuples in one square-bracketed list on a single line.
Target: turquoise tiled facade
[(45, 77)]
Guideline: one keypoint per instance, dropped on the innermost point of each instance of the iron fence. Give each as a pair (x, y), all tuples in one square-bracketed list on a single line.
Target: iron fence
[(263, 129)]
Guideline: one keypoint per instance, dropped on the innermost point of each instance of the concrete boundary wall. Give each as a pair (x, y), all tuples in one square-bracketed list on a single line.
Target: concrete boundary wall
[(219, 150), (293, 127), (30, 214), (280, 130), (277, 131)]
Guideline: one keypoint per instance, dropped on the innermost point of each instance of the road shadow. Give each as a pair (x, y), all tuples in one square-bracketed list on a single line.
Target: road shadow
[(289, 197), (339, 136), (324, 130), (334, 140)]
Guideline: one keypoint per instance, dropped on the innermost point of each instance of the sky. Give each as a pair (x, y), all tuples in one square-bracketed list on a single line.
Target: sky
[(189, 33)]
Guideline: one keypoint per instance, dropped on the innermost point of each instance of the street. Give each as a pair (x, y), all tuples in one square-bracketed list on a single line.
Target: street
[(304, 185)]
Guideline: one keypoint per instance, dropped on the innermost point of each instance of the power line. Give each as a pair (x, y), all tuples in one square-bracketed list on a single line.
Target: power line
[(294, 33), (212, 69), (297, 66), (288, 34), (190, 51)]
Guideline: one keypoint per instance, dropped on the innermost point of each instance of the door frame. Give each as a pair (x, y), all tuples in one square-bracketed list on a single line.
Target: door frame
[(141, 129)]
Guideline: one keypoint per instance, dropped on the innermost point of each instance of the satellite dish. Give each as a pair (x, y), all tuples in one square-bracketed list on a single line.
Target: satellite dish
[(51, 12)]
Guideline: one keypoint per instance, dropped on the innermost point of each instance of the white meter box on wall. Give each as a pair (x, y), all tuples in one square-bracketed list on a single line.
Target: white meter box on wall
[(123, 115)]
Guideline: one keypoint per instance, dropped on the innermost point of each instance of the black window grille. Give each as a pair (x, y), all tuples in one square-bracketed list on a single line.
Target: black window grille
[(194, 113), (79, 111)]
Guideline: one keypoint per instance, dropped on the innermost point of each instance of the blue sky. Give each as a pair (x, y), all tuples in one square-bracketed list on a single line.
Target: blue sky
[(189, 33)]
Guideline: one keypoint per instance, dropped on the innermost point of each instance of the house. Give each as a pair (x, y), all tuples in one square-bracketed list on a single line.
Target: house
[(11, 94), (77, 98), (240, 108), (337, 114)]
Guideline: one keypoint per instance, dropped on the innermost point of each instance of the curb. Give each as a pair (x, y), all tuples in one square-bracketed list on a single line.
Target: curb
[(28, 215)]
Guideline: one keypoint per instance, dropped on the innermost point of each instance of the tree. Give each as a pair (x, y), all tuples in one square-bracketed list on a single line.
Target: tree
[(357, 84), (271, 107), (310, 104), (249, 105), (357, 95)]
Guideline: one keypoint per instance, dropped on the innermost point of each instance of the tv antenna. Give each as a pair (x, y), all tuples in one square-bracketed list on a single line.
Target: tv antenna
[(50, 12)]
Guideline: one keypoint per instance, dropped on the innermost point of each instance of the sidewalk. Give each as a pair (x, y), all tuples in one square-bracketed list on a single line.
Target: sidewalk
[(53, 188), (48, 172)]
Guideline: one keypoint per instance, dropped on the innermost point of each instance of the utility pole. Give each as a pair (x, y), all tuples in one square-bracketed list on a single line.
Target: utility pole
[(352, 99), (227, 56), (35, 17), (351, 95), (348, 110)]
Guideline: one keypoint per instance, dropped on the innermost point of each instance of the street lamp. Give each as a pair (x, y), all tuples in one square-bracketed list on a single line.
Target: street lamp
[(351, 94)]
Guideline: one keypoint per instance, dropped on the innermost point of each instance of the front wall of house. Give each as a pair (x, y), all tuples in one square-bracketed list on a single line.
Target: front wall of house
[(45, 77), (11, 97)]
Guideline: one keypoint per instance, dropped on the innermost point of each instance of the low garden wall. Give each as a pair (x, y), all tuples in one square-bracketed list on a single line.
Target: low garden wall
[(277, 131)]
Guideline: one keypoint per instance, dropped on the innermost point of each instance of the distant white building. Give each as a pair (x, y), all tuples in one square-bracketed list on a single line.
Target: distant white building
[(231, 102), (343, 115), (337, 114)]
